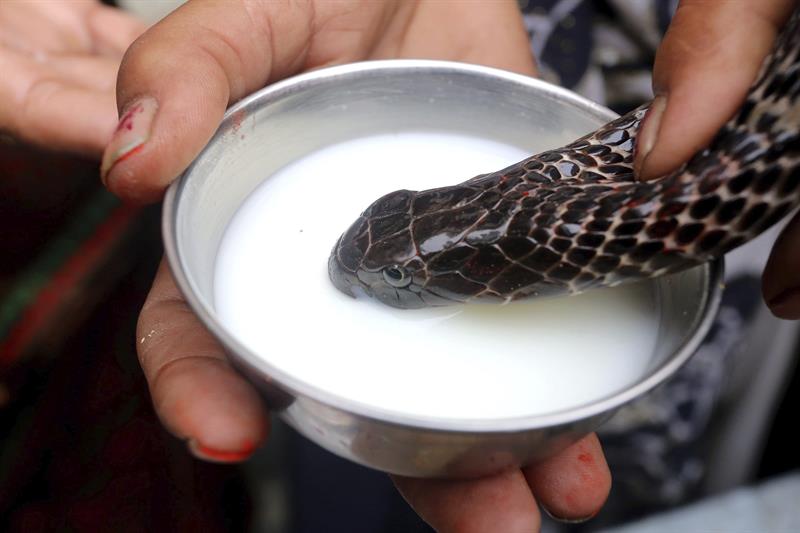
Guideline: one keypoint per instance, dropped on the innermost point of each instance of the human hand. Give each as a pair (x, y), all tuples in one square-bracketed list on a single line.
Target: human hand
[(202, 400), (710, 56), (174, 86), (59, 61)]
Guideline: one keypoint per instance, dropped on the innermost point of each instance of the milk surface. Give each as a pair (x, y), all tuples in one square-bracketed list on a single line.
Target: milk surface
[(463, 362)]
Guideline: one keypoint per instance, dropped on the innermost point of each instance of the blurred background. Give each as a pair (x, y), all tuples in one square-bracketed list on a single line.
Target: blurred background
[(82, 449)]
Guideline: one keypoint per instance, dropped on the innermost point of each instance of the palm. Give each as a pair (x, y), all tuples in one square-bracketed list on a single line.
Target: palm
[(64, 56)]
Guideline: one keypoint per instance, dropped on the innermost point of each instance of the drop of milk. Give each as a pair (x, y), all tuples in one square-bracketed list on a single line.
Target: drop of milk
[(463, 362)]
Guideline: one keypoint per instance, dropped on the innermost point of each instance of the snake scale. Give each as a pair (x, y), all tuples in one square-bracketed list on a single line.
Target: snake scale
[(575, 218)]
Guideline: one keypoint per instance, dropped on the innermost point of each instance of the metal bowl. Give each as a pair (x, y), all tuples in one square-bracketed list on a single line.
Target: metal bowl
[(293, 118)]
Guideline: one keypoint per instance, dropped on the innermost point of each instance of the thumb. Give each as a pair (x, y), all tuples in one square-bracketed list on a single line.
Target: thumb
[(177, 79), (710, 56)]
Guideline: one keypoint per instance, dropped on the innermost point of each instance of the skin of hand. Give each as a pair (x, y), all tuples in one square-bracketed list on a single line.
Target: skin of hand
[(64, 58), (174, 86), (710, 56)]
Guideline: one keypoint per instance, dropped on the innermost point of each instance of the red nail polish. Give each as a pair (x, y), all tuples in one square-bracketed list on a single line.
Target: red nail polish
[(132, 132), (220, 456)]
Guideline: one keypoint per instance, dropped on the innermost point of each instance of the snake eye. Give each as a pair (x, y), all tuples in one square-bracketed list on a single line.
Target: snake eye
[(397, 276)]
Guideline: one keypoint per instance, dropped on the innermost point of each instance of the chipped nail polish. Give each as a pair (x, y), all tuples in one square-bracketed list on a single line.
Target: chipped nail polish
[(219, 456), (132, 132)]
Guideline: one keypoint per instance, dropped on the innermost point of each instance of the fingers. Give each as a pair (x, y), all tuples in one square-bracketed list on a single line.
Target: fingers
[(574, 484), (92, 72), (60, 96), (196, 393), (187, 69), (58, 106), (74, 27), (499, 503), (781, 281), (710, 56), (45, 26), (62, 117)]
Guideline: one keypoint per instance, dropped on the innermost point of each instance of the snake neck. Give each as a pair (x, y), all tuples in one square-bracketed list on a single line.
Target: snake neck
[(575, 218)]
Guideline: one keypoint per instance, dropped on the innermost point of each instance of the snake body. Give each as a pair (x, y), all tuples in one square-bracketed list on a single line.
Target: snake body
[(575, 218)]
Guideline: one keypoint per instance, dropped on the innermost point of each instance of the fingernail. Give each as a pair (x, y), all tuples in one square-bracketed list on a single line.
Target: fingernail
[(786, 304), (132, 132), (648, 133), (568, 520), (219, 456)]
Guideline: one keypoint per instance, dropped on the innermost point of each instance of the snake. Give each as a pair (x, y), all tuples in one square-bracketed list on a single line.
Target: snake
[(576, 218)]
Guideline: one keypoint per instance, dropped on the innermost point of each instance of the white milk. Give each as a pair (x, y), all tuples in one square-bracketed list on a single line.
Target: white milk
[(480, 361)]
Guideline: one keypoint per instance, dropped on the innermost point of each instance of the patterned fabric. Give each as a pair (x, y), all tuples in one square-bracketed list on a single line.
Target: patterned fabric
[(656, 446), (603, 50)]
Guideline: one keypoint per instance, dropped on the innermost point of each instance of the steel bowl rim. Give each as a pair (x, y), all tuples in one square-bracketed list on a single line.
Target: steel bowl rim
[(298, 388)]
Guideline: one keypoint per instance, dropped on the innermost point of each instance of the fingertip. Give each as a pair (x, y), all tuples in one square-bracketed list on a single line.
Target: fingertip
[(203, 401), (690, 117), (197, 394), (187, 64), (780, 283), (786, 304), (214, 455), (573, 485), (132, 167), (186, 106)]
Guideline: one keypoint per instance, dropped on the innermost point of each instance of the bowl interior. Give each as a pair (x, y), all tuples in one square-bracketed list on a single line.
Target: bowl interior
[(286, 121)]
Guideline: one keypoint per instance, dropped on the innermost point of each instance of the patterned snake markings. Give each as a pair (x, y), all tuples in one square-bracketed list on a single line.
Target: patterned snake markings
[(568, 220)]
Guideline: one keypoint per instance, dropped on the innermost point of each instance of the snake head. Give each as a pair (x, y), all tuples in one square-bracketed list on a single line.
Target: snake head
[(377, 255)]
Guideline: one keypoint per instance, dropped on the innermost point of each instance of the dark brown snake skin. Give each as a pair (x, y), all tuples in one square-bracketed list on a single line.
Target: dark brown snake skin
[(572, 219)]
